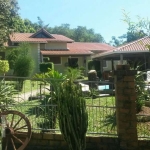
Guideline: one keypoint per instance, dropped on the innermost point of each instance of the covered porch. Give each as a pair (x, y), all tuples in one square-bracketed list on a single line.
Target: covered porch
[(133, 53)]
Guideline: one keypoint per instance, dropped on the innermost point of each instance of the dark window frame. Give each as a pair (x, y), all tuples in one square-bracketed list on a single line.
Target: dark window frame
[(55, 59)]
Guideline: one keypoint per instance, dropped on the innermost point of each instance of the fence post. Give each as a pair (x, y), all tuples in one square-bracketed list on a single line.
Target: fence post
[(126, 107)]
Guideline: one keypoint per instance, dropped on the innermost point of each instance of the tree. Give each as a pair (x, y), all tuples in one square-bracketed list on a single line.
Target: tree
[(116, 41), (8, 9), (12, 57), (135, 30), (23, 25), (82, 34), (23, 65), (21, 62), (79, 34)]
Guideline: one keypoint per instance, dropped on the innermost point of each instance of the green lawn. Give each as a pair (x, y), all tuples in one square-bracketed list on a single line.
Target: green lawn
[(100, 115), (96, 113)]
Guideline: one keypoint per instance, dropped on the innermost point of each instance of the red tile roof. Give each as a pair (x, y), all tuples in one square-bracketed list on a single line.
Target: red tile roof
[(132, 47), (137, 45), (89, 46), (26, 37), (78, 48), (74, 48), (66, 52)]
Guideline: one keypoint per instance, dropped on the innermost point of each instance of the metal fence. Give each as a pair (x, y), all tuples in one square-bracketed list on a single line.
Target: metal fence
[(32, 98), (143, 115)]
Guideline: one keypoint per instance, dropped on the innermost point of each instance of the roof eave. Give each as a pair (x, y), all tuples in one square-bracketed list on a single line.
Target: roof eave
[(118, 52)]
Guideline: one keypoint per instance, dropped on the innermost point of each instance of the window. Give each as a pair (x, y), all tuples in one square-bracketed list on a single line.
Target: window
[(41, 35), (73, 62), (54, 59)]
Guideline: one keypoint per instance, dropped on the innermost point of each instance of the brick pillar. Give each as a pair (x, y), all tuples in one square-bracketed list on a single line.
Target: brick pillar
[(126, 107)]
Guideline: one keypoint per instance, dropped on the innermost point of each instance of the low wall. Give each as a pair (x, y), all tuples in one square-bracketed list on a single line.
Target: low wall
[(47, 141)]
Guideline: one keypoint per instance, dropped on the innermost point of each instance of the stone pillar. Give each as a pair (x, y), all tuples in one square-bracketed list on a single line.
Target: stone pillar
[(126, 107)]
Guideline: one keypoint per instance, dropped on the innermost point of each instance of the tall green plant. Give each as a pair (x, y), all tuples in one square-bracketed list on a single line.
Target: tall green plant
[(23, 64), (140, 88), (6, 93), (73, 117), (49, 112)]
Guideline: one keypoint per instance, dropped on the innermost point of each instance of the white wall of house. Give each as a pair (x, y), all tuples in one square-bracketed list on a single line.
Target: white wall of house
[(109, 65), (64, 60)]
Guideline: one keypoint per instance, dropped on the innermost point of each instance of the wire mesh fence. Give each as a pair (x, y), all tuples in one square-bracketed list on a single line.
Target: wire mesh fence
[(143, 109), (33, 98)]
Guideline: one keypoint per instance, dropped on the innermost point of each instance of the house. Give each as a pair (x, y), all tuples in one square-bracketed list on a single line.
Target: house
[(58, 48), (136, 51)]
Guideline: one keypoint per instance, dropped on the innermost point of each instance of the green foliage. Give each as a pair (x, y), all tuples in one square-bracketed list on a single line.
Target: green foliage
[(55, 79), (79, 34), (4, 66), (117, 41), (23, 66), (82, 34), (73, 73), (47, 110), (12, 57), (8, 9), (46, 59), (44, 66), (20, 60), (135, 30), (90, 64), (23, 25), (111, 120), (142, 94), (73, 117), (6, 93)]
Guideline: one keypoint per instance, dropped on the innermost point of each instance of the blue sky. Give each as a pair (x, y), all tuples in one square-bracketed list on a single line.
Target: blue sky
[(104, 16)]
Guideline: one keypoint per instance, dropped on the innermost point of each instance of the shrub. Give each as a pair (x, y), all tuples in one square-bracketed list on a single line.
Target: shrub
[(44, 66), (6, 92), (23, 66), (4, 66), (46, 59)]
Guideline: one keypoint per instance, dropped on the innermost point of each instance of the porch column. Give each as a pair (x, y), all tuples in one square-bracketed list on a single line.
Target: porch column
[(101, 61), (121, 59)]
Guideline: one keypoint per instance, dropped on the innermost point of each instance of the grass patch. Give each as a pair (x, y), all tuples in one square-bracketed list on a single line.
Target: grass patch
[(97, 109)]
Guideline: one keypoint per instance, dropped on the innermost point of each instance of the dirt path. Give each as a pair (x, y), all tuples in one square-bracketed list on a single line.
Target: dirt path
[(25, 96)]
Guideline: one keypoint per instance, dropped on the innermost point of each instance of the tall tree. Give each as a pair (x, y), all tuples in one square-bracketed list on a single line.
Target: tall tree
[(135, 30), (41, 24), (8, 9), (23, 25)]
